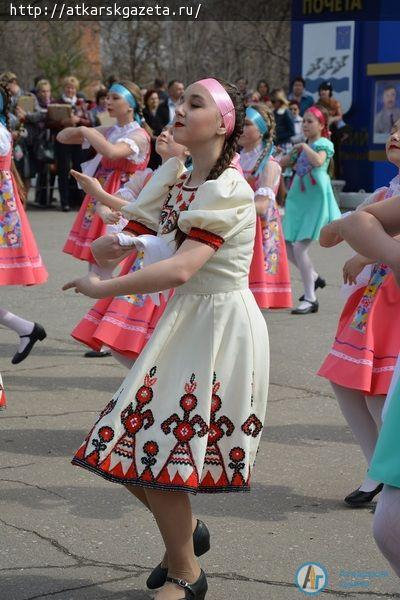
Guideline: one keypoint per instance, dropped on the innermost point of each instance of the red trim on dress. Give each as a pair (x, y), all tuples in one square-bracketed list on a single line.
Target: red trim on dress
[(138, 228), (206, 237)]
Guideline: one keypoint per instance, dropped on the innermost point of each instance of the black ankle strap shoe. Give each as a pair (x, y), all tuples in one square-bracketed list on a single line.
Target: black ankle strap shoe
[(193, 591), (201, 544), (38, 333)]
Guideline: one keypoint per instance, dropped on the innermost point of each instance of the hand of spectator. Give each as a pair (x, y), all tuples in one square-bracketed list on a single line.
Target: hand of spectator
[(20, 113)]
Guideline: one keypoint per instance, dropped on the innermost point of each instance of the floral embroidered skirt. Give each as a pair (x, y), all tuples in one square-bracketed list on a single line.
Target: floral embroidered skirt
[(20, 261), (123, 323), (269, 271), (190, 413), (367, 341)]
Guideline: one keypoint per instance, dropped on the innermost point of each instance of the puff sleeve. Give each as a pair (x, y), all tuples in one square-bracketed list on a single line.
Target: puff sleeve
[(143, 214), (221, 209), (324, 144)]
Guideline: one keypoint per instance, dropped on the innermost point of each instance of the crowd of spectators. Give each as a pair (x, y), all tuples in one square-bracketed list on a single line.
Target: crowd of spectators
[(40, 158)]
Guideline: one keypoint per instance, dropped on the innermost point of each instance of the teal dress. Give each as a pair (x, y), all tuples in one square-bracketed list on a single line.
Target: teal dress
[(310, 203), (385, 463)]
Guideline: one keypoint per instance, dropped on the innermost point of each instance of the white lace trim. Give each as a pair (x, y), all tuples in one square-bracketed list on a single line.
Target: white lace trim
[(394, 185)]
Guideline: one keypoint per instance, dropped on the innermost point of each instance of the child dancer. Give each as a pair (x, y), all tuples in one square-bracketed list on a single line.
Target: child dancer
[(310, 203), (269, 271), (125, 323), (361, 362), (189, 415), (122, 150), (364, 231), (20, 261)]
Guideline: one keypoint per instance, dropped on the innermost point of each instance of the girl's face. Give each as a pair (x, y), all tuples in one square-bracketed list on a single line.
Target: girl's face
[(153, 102), (294, 109), (117, 106), (393, 145), (197, 118), (70, 90), (167, 147), (251, 135), (312, 127)]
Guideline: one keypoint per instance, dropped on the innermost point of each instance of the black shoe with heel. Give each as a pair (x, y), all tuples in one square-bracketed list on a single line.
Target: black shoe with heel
[(193, 591), (38, 333), (319, 283), (201, 544)]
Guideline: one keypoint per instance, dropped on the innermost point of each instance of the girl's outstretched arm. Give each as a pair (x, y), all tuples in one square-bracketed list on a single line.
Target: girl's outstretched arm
[(166, 274)]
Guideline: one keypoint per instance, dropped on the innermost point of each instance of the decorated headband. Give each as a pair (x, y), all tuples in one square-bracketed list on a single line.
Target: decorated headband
[(3, 120), (321, 118), (224, 102), (255, 117), (121, 90)]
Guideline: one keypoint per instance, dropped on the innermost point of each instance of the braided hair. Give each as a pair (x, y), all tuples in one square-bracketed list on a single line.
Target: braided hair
[(230, 144), (268, 137)]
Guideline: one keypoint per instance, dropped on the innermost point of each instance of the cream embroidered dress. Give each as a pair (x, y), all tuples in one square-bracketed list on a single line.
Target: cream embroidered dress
[(190, 413)]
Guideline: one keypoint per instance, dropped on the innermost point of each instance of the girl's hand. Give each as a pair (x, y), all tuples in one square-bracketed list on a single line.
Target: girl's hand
[(107, 247), (298, 147), (89, 285), (90, 185), (352, 268), (108, 215), (329, 235)]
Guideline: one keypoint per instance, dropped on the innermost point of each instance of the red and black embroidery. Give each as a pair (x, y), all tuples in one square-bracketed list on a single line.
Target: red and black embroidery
[(121, 461), (206, 237), (105, 435), (214, 472), (151, 450), (237, 456), (252, 426), (180, 467), (171, 210), (138, 228)]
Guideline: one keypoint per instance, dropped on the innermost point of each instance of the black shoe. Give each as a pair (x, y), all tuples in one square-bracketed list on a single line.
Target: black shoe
[(96, 354), (358, 499), (319, 283), (201, 544), (38, 333), (311, 308), (193, 591)]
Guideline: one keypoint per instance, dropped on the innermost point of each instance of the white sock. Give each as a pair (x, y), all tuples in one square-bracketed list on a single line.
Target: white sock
[(387, 525), (292, 258), (124, 360), (17, 324), (354, 407), (306, 268)]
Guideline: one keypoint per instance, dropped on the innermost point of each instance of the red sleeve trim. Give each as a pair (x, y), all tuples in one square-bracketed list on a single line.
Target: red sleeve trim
[(206, 237), (138, 228)]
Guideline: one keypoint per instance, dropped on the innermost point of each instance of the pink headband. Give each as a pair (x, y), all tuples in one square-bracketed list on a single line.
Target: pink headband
[(223, 101), (321, 118)]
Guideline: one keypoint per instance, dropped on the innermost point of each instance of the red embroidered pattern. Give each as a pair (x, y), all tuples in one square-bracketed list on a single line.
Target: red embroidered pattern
[(138, 228), (206, 237)]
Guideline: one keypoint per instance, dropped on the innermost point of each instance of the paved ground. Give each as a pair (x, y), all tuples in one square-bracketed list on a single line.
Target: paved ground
[(69, 535)]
